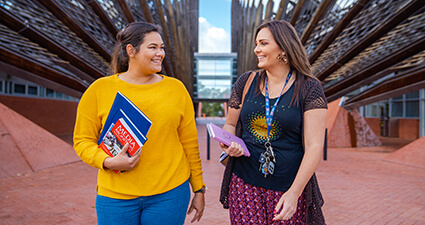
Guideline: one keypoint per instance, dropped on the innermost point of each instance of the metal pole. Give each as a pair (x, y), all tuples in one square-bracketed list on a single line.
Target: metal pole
[(208, 145), (422, 113), (325, 146)]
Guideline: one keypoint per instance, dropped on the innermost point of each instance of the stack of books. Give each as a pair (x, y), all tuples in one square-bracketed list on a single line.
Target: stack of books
[(126, 123)]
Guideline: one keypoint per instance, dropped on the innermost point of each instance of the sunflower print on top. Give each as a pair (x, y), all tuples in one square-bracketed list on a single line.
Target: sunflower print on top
[(257, 126)]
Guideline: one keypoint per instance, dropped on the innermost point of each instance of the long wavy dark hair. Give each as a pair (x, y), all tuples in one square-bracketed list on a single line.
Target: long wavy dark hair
[(134, 33), (287, 38)]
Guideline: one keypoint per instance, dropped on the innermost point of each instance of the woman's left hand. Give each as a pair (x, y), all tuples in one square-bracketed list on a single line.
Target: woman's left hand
[(288, 201), (234, 150), (198, 203)]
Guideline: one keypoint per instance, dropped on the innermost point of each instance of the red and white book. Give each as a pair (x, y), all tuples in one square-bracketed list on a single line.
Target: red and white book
[(117, 136)]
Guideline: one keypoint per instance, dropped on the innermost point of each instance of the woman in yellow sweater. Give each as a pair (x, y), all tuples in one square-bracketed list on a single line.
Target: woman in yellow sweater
[(154, 189)]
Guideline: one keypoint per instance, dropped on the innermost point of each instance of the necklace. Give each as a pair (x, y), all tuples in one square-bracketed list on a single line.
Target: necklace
[(267, 159)]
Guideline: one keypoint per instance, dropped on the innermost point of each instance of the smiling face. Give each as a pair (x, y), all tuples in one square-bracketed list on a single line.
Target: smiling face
[(267, 49), (148, 59)]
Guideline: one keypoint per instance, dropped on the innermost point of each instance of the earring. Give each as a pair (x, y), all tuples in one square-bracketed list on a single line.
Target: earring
[(282, 58)]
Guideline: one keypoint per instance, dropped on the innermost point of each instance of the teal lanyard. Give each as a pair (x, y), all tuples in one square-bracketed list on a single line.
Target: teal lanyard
[(269, 114)]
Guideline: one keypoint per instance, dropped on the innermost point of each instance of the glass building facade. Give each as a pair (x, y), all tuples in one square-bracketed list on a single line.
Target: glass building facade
[(214, 74), (11, 85), (407, 106), (404, 106)]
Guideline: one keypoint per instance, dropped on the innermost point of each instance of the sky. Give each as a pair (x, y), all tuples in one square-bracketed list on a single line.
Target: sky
[(214, 26)]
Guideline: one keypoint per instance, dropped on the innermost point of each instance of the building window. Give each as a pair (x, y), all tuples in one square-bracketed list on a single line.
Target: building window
[(405, 105), (372, 110), (412, 108), (412, 104), (413, 95), (214, 75), (397, 109), (19, 89), (32, 90), (214, 78), (50, 93), (397, 106), (58, 95)]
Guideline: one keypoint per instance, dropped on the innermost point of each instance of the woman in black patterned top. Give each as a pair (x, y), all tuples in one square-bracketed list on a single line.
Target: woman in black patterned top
[(281, 116)]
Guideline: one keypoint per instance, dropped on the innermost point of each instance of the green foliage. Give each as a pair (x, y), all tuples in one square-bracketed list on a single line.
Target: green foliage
[(212, 109), (207, 92)]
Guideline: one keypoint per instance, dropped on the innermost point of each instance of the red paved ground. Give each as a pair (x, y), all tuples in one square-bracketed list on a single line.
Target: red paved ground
[(359, 187)]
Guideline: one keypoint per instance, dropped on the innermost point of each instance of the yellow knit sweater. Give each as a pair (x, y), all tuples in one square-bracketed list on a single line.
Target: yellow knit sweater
[(169, 157)]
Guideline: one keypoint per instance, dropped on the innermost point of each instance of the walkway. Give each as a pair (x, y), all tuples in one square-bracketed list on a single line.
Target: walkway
[(358, 186)]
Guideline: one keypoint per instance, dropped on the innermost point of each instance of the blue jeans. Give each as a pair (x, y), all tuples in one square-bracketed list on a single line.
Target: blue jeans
[(166, 208)]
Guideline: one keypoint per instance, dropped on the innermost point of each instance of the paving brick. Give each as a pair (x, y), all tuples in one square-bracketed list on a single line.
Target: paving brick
[(359, 187)]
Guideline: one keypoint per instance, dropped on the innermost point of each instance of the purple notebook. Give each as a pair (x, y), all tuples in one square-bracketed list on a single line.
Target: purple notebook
[(225, 137)]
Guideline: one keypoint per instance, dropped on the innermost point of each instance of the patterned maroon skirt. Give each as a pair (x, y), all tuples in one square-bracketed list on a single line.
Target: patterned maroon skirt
[(250, 204)]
